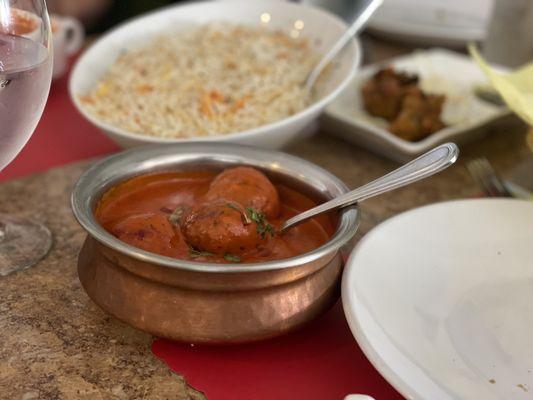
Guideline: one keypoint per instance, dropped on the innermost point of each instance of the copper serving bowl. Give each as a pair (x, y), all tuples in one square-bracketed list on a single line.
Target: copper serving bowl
[(204, 302)]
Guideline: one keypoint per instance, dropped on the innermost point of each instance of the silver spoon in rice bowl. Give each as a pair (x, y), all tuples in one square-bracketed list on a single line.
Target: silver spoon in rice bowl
[(367, 9), (430, 163)]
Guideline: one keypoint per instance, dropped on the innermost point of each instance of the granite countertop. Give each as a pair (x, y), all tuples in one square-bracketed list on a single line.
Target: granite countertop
[(57, 344)]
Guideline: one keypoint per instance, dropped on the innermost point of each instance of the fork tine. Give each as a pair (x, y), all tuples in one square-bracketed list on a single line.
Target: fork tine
[(487, 178), (473, 168), (478, 172), (494, 178)]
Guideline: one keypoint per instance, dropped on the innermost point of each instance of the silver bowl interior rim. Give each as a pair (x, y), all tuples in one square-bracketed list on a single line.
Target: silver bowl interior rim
[(116, 168)]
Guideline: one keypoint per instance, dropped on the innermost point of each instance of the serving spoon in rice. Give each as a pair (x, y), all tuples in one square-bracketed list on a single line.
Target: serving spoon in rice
[(427, 164), (366, 9)]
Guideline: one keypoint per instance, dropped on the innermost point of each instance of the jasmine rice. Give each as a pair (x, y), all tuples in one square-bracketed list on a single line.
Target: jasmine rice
[(208, 80)]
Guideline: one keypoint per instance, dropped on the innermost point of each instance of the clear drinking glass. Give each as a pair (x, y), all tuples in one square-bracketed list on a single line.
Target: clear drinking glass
[(25, 76)]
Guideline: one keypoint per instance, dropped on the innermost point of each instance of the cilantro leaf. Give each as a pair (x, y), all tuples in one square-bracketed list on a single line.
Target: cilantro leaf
[(232, 258), (197, 253), (175, 217), (263, 227)]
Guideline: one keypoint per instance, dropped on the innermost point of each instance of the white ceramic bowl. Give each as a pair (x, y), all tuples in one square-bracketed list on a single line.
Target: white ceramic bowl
[(318, 24)]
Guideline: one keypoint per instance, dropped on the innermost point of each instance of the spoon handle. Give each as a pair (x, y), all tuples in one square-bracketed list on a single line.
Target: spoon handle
[(367, 9), (422, 167)]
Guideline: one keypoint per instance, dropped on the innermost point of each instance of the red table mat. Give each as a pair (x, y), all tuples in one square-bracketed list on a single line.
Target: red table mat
[(321, 361)]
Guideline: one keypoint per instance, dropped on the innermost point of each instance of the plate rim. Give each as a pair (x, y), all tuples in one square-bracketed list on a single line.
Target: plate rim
[(396, 27), (442, 33)]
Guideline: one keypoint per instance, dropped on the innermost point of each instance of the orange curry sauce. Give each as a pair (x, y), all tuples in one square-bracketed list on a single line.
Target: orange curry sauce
[(141, 212)]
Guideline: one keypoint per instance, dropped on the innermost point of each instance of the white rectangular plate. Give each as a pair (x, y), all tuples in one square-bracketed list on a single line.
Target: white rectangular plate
[(441, 72)]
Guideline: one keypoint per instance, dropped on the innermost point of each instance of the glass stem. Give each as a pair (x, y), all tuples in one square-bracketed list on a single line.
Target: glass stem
[(2, 231)]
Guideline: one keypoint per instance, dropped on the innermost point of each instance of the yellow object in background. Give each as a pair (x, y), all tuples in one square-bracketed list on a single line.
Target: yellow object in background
[(516, 88)]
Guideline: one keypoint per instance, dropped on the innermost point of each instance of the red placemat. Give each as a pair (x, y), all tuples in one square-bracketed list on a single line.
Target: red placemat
[(319, 362)]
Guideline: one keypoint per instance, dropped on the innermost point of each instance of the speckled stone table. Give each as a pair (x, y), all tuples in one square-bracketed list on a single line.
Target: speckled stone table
[(56, 344)]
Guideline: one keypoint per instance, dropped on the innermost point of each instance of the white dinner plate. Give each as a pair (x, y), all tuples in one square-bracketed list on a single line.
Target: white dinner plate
[(450, 23), (440, 299), (441, 72)]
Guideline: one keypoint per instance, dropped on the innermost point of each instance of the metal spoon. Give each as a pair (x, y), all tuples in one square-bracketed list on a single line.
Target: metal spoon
[(366, 10), (428, 164)]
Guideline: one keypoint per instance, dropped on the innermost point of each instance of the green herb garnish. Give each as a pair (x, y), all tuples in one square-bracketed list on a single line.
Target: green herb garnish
[(237, 207), (234, 206), (232, 258), (197, 253), (263, 227), (175, 217)]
